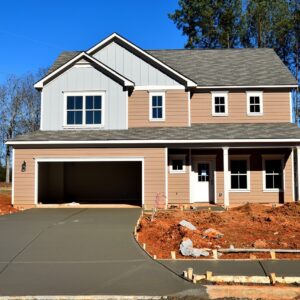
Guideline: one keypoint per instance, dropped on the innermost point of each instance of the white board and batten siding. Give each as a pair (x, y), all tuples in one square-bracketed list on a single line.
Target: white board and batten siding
[(133, 67)]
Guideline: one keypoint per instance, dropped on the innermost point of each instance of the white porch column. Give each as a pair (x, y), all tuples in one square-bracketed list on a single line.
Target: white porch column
[(226, 176), (298, 173)]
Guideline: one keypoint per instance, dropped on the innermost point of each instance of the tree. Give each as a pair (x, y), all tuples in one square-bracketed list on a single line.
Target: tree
[(209, 23), (19, 110)]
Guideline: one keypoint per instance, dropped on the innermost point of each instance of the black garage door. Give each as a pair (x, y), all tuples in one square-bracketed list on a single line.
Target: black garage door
[(90, 182)]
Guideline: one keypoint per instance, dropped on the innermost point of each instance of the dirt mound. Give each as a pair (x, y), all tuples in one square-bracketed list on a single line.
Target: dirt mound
[(243, 227)]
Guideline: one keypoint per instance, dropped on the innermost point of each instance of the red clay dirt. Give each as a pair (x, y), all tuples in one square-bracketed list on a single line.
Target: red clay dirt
[(5, 203), (243, 227)]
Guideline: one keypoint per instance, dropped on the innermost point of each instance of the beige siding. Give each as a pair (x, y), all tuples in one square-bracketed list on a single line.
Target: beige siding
[(179, 188), (176, 110), (276, 108), (154, 169)]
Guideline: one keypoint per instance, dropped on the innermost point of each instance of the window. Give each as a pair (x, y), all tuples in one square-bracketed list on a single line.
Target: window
[(84, 109), (177, 164), (254, 103), (219, 103), (74, 110), (93, 109), (239, 174), (273, 174), (157, 106)]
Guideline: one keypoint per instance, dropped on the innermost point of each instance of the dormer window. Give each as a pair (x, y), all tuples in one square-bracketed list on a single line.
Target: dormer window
[(219, 103), (84, 109), (254, 103), (157, 106)]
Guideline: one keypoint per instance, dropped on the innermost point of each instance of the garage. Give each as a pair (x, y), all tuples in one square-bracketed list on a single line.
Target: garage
[(90, 182)]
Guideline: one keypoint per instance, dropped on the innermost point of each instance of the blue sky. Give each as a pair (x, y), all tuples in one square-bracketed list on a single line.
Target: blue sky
[(33, 33)]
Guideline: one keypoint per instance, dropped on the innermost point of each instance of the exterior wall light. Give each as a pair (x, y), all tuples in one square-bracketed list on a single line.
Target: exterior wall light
[(23, 167)]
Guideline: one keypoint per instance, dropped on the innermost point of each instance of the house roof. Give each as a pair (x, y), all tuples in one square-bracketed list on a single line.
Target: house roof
[(277, 132), (228, 67), (218, 67)]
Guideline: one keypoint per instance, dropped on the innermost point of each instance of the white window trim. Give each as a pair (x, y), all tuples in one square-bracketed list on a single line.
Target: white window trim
[(240, 157), (177, 157), (84, 125), (219, 94), (163, 94), (274, 157), (261, 103)]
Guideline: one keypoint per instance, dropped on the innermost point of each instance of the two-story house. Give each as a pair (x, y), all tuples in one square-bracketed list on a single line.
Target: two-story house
[(123, 125)]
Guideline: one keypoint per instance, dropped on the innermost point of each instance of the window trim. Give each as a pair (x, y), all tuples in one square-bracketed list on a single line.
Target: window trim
[(273, 157), (240, 157), (84, 95), (177, 157), (261, 103), (151, 94), (213, 108)]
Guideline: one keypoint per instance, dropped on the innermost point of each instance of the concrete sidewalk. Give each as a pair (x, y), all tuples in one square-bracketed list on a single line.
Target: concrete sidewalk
[(236, 267)]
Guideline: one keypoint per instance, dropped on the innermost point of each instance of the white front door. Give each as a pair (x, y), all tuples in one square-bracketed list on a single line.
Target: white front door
[(201, 181)]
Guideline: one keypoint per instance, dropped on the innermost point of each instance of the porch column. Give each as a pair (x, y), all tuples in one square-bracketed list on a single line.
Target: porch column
[(226, 176), (298, 173)]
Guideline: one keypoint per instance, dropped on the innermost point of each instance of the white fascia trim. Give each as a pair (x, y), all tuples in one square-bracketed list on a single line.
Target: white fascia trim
[(40, 83), (189, 109), (158, 87), (42, 112), (189, 82), (103, 142), (246, 86)]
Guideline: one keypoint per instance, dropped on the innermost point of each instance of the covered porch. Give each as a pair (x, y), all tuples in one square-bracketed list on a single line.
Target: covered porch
[(231, 175)]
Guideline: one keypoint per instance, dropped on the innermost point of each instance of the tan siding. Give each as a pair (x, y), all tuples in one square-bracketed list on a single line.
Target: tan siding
[(276, 108), (154, 167), (179, 188), (176, 110)]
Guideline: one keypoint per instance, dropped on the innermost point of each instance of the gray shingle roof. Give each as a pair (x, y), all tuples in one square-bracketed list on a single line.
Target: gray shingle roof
[(195, 132), (218, 67), (231, 67)]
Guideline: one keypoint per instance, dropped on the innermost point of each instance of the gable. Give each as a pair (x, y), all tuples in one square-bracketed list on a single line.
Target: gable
[(133, 67)]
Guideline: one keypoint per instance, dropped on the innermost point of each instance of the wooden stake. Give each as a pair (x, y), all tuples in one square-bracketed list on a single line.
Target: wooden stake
[(173, 254), (272, 278), (208, 275), (144, 246), (215, 253), (137, 237), (190, 273), (273, 254), (252, 256), (185, 274), (154, 256)]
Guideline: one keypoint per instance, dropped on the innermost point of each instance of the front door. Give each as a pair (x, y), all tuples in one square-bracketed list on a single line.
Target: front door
[(202, 181)]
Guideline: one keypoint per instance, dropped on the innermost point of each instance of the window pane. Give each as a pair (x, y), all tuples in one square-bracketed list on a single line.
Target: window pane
[(78, 117), (239, 166), (89, 117), (257, 108), (222, 109), (234, 182), (78, 102), (70, 102), (217, 109), (70, 117), (252, 110), (97, 102), (159, 113), (269, 182), (154, 100), (89, 102), (97, 117), (177, 164), (273, 166), (243, 181), (217, 100)]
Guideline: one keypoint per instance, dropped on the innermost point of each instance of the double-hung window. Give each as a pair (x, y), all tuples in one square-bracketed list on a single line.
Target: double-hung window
[(157, 107), (84, 109), (219, 103), (273, 174), (254, 103), (177, 164), (239, 174)]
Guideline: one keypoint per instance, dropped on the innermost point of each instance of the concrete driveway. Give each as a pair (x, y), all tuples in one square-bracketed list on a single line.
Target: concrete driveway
[(73, 251)]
